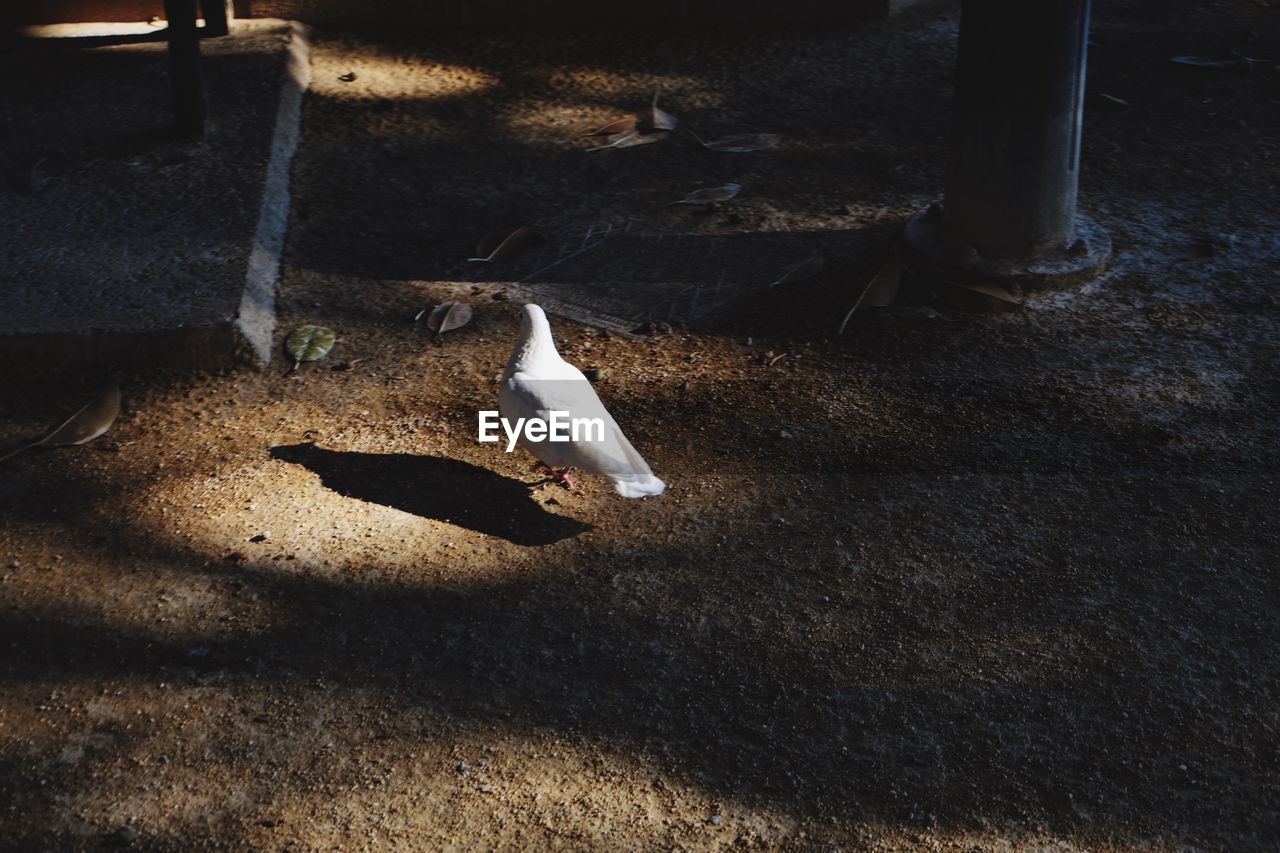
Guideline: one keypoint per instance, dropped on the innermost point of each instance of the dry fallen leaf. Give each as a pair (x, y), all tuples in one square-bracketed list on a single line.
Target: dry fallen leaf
[(965, 291), (884, 287), (1105, 101), (741, 143), (505, 244), (630, 139), (802, 270), (1234, 61), (93, 420), (708, 195), (617, 126), (448, 316), (977, 297), (655, 119), (878, 291)]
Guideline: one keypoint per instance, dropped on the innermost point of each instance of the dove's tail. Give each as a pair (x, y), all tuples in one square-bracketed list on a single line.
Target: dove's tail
[(636, 480), (639, 487)]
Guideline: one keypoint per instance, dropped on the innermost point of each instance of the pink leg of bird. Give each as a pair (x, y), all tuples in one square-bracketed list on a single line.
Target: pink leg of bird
[(557, 475)]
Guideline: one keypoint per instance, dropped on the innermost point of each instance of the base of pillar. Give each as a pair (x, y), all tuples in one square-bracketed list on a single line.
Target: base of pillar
[(927, 252)]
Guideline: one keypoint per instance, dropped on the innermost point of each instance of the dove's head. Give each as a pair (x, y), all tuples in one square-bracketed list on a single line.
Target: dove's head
[(533, 315), (535, 337), (534, 325)]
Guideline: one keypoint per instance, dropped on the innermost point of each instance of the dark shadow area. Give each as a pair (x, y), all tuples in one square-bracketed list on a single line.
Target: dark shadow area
[(625, 270), (891, 729), (437, 487), (510, 152)]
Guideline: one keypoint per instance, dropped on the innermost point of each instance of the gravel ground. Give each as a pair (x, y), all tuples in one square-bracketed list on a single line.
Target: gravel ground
[(946, 581)]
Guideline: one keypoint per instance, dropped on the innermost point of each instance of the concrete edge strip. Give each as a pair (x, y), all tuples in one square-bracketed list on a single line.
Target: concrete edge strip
[(256, 320), (570, 311)]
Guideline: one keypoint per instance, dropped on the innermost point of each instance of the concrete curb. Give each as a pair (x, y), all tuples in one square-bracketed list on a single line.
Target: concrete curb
[(203, 296), (256, 322)]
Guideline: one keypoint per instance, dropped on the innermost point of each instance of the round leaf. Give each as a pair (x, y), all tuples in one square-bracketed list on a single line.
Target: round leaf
[(458, 315), (309, 343)]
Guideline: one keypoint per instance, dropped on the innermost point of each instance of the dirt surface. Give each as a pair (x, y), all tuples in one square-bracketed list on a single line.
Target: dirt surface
[(945, 581)]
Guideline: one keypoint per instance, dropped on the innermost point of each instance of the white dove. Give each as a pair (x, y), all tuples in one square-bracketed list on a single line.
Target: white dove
[(538, 382)]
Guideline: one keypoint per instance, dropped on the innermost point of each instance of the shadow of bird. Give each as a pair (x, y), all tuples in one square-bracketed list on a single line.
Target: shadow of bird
[(437, 487)]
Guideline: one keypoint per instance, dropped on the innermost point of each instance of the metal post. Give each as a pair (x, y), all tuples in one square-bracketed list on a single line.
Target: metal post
[(218, 15), (184, 67), (1011, 183)]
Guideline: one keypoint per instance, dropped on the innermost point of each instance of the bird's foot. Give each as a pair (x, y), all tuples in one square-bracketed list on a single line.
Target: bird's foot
[(558, 475)]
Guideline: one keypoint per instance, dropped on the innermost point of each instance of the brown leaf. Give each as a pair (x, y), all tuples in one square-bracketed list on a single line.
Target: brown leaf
[(505, 244), (979, 297), (878, 290), (621, 125), (630, 139), (884, 287), (802, 270), (93, 420), (708, 195), (655, 119), (741, 143), (448, 316)]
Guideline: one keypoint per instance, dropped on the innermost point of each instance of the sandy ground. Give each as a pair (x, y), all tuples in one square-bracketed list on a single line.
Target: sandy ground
[(946, 581)]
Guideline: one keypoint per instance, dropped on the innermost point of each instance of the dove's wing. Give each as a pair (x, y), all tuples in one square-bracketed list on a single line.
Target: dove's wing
[(563, 388), (538, 382)]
